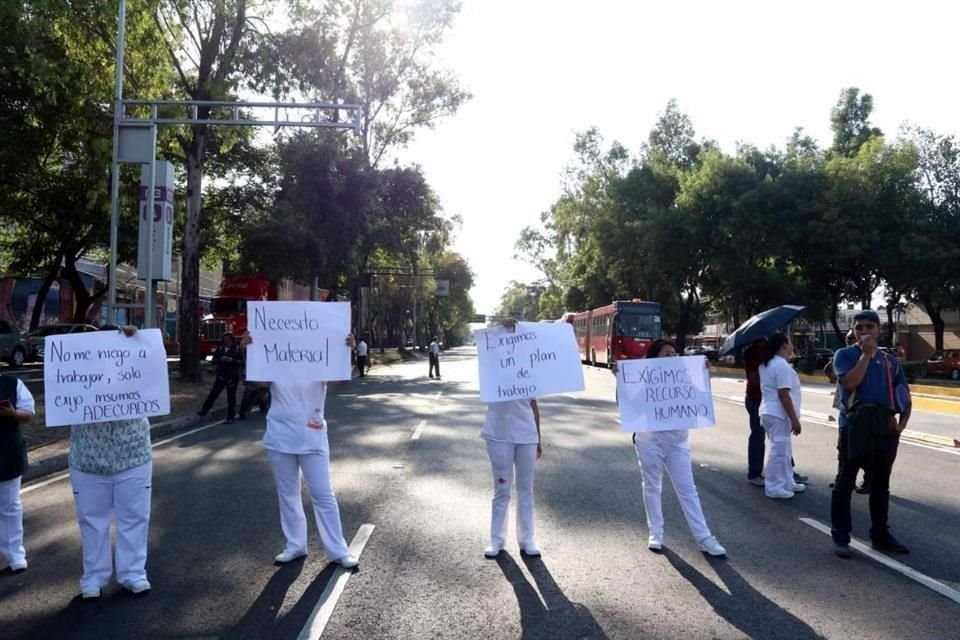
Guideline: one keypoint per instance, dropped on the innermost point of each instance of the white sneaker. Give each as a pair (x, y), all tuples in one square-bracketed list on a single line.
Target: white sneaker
[(654, 542), (19, 566), (492, 551), (712, 547), (348, 561), (288, 556), (799, 488), (780, 494), (531, 550), (90, 593), (137, 586)]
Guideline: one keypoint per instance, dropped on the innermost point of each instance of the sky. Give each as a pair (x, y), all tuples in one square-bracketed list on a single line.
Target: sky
[(742, 70)]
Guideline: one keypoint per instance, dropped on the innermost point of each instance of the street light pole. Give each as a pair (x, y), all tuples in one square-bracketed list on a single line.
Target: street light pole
[(115, 163)]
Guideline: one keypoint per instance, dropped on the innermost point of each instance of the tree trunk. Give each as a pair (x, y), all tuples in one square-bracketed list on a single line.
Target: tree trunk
[(933, 310), (41, 302), (189, 330), (834, 313)]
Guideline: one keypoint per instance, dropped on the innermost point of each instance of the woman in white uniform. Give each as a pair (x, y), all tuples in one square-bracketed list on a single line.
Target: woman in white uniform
[(296, 442), (111, 470), (512, 432), (780, 416), (659, 451), (16, 408)]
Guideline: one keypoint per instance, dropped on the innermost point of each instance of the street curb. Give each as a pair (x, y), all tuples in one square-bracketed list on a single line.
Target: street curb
[(58, 462), (941, 405), (929, 438)]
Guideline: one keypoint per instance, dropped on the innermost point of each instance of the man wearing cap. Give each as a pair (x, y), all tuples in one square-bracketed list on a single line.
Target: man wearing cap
[(874, 391)]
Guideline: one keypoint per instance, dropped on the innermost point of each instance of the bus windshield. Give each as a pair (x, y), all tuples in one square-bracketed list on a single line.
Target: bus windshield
[(228, 305), (639, 325)]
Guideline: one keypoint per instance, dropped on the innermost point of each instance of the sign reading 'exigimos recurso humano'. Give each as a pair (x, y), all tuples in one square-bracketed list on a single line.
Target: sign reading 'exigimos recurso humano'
[(660, 394)]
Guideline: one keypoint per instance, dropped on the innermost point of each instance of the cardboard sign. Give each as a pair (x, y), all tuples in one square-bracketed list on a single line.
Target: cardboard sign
[(660, 394), (104, 376), (298, 341), (535, 359)]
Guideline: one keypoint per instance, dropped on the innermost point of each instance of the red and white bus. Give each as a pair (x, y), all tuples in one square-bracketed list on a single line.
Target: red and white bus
[(621, 330)]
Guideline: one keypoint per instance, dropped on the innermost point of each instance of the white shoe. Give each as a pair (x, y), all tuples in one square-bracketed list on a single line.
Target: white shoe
[(531, 550), (799, 488), (288, 556), (654, 542), (90, 593), (712, 547), (348, 561), (492, 551), (137, 586), (781, 494), (18, 566)]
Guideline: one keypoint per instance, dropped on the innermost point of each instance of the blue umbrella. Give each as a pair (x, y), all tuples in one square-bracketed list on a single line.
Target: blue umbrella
[(760, 326)]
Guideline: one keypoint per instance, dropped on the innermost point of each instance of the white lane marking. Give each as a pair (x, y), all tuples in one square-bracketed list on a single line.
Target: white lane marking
[(63, 476), (437, 397), (419, 430), (321, 613), (899, 567)]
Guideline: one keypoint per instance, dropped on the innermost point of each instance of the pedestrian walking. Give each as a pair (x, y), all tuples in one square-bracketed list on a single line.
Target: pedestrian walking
[(16, 408), (228, 359), (669, 451), (876, 399), (362, 357), (296, 443), (434, 355), (780, 416), (111, 471)]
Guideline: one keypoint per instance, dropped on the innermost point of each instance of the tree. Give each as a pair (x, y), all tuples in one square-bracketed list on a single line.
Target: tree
[(850, 122)]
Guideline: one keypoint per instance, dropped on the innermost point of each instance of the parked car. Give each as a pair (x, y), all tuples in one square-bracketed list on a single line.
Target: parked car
[(35, 338), (824, 356), (13, 344), (697, 350), (944, 363)]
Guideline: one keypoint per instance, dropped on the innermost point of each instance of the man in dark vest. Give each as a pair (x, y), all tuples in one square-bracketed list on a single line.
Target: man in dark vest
[(16, 408), (228, 359)]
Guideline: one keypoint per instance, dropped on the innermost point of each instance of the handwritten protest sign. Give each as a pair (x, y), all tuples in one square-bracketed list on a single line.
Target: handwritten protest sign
[(104, 376), (536, 359), (659, 394), (298, 341)]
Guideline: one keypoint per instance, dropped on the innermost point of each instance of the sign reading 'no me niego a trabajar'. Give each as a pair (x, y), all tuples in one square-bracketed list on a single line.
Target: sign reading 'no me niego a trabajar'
[(659, 394), (298, 341), (533, 360), (104, 376)]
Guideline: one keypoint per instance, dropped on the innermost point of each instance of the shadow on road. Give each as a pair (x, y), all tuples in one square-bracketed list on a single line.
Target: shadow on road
[(743, 607), (560, 618)]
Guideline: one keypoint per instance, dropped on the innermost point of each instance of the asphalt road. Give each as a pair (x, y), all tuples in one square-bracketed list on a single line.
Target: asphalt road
[(407, 459)]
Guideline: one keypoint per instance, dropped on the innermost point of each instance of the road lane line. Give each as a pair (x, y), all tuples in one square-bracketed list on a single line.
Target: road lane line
[(437, 397), (419, 430), (890, 563), (321, 613), (64, 476)]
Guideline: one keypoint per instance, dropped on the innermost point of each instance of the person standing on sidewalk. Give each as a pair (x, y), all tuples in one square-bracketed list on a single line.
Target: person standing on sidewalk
[(111, 471), (780, 416), (16, 408), (659, 451), (362, 357), (228, 359), (296, 442), (435, 357), (875, 392)]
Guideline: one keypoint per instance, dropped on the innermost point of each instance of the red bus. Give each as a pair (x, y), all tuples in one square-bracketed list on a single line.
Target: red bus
[(621, 330)]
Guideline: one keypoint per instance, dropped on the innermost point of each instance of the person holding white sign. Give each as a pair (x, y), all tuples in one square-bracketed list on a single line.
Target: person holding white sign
[(16, 408), (659, 451), (111, 470), (780, 416), (296, 442)]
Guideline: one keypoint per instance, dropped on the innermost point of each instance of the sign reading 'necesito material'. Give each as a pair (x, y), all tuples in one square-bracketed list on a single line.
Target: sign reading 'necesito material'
[(533, 360), (104, 376), (659, 394), (298, 341)]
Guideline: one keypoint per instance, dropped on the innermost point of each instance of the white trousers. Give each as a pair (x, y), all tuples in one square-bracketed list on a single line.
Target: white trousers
[(669, 451), (512, 464), (779, 474), (121, 497), (316, 471), (11, 522)]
